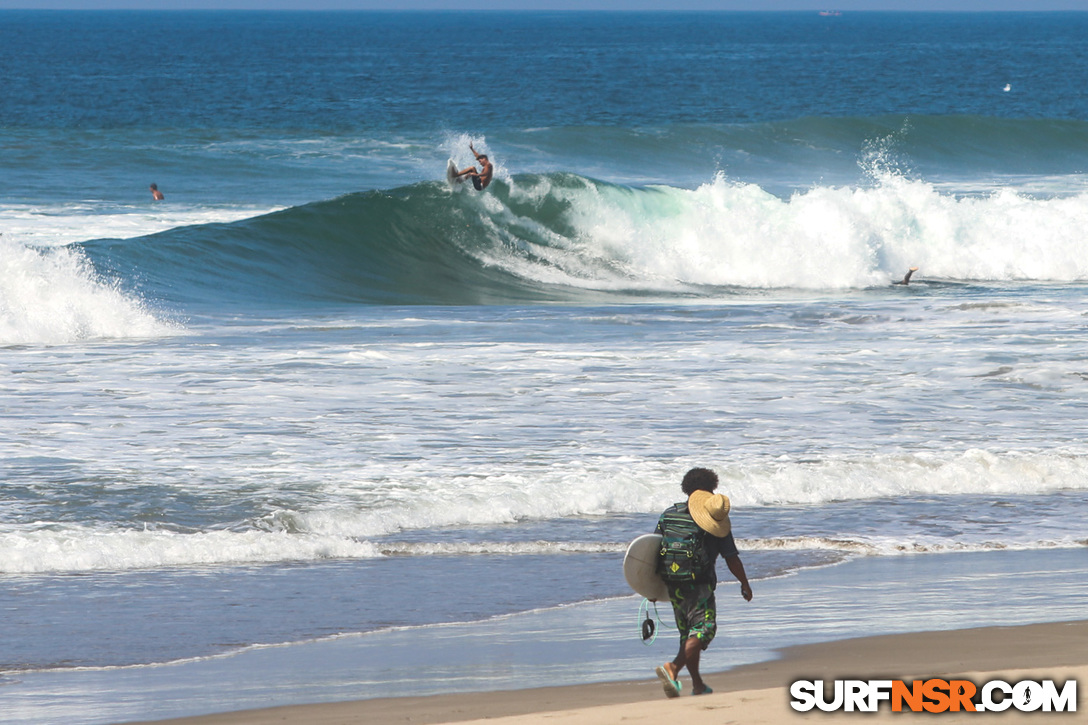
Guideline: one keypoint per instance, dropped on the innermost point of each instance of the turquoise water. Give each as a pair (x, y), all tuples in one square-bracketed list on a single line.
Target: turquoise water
[(317, 392)]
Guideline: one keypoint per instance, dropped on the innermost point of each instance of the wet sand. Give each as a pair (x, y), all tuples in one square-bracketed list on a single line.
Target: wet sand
[(751, 694)]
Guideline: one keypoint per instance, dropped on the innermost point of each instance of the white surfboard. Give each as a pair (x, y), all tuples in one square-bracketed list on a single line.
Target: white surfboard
[(640, 568), (451, 173)]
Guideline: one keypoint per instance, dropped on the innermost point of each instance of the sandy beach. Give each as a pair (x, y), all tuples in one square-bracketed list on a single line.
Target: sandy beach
[(757, 693), (897, 618)]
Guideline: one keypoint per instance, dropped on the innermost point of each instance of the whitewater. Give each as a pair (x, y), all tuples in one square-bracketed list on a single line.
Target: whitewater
[(556, 350), (317, 395), (366, 376), (557, 237)]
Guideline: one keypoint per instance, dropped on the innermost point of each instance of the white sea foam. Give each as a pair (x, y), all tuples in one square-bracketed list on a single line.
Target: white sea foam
[(67, 223), (970, 472), (51, 294), (739, 235), (887, 546), (506, 548), (508, 495), (79, 548), (55, 296), (995, 518)]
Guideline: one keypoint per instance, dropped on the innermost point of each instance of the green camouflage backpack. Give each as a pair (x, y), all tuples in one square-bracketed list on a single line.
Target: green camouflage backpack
[(682, 558)]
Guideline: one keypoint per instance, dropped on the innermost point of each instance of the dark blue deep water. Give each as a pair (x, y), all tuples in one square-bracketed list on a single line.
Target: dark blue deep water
[(420, 71)]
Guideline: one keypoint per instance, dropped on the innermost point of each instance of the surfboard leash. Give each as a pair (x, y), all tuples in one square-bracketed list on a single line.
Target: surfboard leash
[(649, 626)]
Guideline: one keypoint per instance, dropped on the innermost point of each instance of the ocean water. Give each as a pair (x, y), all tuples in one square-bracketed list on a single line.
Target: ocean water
[(318, 392)]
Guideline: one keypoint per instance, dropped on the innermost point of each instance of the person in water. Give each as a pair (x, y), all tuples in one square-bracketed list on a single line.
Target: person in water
[(481, 178), (906, 279), (155, 193), (704, 521)]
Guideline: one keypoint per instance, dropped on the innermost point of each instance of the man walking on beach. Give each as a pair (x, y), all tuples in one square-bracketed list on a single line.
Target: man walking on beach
[(481, 178), (694, 533)]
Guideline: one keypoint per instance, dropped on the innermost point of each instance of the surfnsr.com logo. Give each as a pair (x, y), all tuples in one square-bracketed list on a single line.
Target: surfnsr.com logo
[(935, 695)]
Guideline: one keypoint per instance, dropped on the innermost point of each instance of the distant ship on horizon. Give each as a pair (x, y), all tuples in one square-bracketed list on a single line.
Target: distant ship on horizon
[(831, 13)]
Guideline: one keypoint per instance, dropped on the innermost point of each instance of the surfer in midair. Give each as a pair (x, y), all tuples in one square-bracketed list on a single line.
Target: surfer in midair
[(481, 178)]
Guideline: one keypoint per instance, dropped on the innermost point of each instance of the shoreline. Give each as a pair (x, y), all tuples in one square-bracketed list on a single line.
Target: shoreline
[(593, 645), (1057, 650)]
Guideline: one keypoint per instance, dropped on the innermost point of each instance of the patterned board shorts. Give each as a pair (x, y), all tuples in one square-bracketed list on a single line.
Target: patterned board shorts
[(694, 608)]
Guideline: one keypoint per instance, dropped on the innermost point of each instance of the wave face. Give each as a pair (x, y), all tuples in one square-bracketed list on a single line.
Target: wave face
[(568, 238), (682, 213)]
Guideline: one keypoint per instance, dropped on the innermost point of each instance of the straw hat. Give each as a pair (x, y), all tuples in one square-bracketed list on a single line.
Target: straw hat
[(710, 511)]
